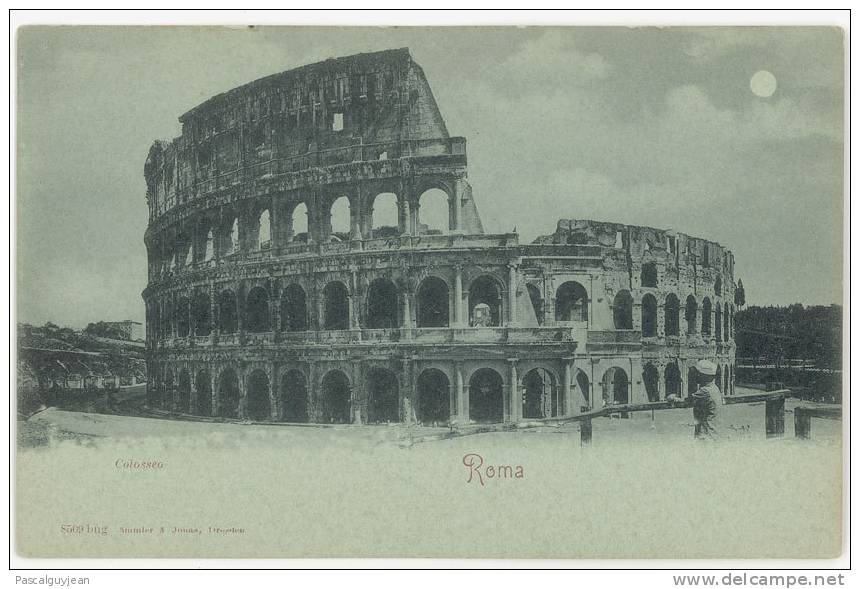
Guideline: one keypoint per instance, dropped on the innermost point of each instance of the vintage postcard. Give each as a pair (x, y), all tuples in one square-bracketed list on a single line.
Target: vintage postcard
[(463, 292)]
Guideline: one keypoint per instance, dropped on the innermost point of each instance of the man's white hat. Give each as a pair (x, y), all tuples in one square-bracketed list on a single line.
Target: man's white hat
[(706, 367)]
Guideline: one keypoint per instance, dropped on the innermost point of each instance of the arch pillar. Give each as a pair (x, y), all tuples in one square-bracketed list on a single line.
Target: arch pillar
[(462, 394), (458, 296), (515, 401), (213, 377), (274, 397), (570, 407), (456, 206), (512, 294)]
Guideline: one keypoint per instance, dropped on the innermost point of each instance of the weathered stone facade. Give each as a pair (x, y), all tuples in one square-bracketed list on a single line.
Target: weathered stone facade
[(248, 318)]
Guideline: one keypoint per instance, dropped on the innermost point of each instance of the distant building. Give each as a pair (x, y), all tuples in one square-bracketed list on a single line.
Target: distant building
[(130, 330)]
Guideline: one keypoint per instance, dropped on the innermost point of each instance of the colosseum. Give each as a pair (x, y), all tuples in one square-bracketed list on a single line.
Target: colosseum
[(259, 308)]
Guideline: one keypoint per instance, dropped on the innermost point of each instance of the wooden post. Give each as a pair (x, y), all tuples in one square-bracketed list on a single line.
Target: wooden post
[(774, 417), (802, 423), (585, 431)]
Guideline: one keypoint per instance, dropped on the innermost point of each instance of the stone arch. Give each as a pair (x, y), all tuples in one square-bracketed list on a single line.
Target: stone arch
[(485, 302), (340, 218), (651, 379), (672, 377), (336, 397), (203, 388), (691, 312), (383, 396), (257, 310), (263, 230), (622, 310), (434, 211), (571, 302), (294, 397), (537, 302), (584, 387), (649, 316), (294, 310), (434, 397), (384, 215), (382, 301), (257, 398), (335, 306), (183, 318), (706, 316), (718, 286), (541, 395), (616, 385), (228, 319), (672, 311), (200, 313), (433, 303), (299, 223), (718, 322), (183, 388), (486, 396), (228, 393), (648, 275)]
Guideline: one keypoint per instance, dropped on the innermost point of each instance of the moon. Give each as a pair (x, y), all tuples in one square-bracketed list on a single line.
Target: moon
[(763, 84)]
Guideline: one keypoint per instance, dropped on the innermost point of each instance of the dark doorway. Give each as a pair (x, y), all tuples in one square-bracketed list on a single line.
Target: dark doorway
[(434, 397), (432, 303), (383, 399), (382, 304), (335, 398), (258, 406), (294, 397), (486, 398), (228, 394)]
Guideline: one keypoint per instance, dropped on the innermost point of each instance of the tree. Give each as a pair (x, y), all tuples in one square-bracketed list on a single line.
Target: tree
[(740, 295)]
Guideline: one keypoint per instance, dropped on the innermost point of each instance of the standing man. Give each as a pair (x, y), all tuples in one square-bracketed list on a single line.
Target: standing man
[(706, 400)]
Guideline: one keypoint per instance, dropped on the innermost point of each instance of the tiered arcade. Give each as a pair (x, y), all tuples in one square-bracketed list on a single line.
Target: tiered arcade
[(258, 308)]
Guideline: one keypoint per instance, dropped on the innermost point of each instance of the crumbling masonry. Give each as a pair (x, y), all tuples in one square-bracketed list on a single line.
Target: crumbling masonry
[(251, 316)]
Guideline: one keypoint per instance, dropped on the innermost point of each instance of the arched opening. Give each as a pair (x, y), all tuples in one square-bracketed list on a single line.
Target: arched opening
[(726, 326), (673, 310), (584, 386), (486, 398), (718, 323), (257, 310), (258, 405), (541, 396), (434, 215), (571, 302), (209, 251), (536, 301), (649, 316), (651, 378), (300, 223), (648, 277), (616, 386), (183, 400), (432, 302), (691, 312), (232, 242), (182, 318), (335, 306), (692, 380), (383, 397), (718, 286), (335, 397), (382, 304), (706, 316), (294, 397), (227, 317), (672, 376), (167, 320), (294, 312), (228, 394), (264, 231), (203, 386), (434, 397), (340, 219), (384, 215), (485, 303), (200, 309), (622, 310)]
